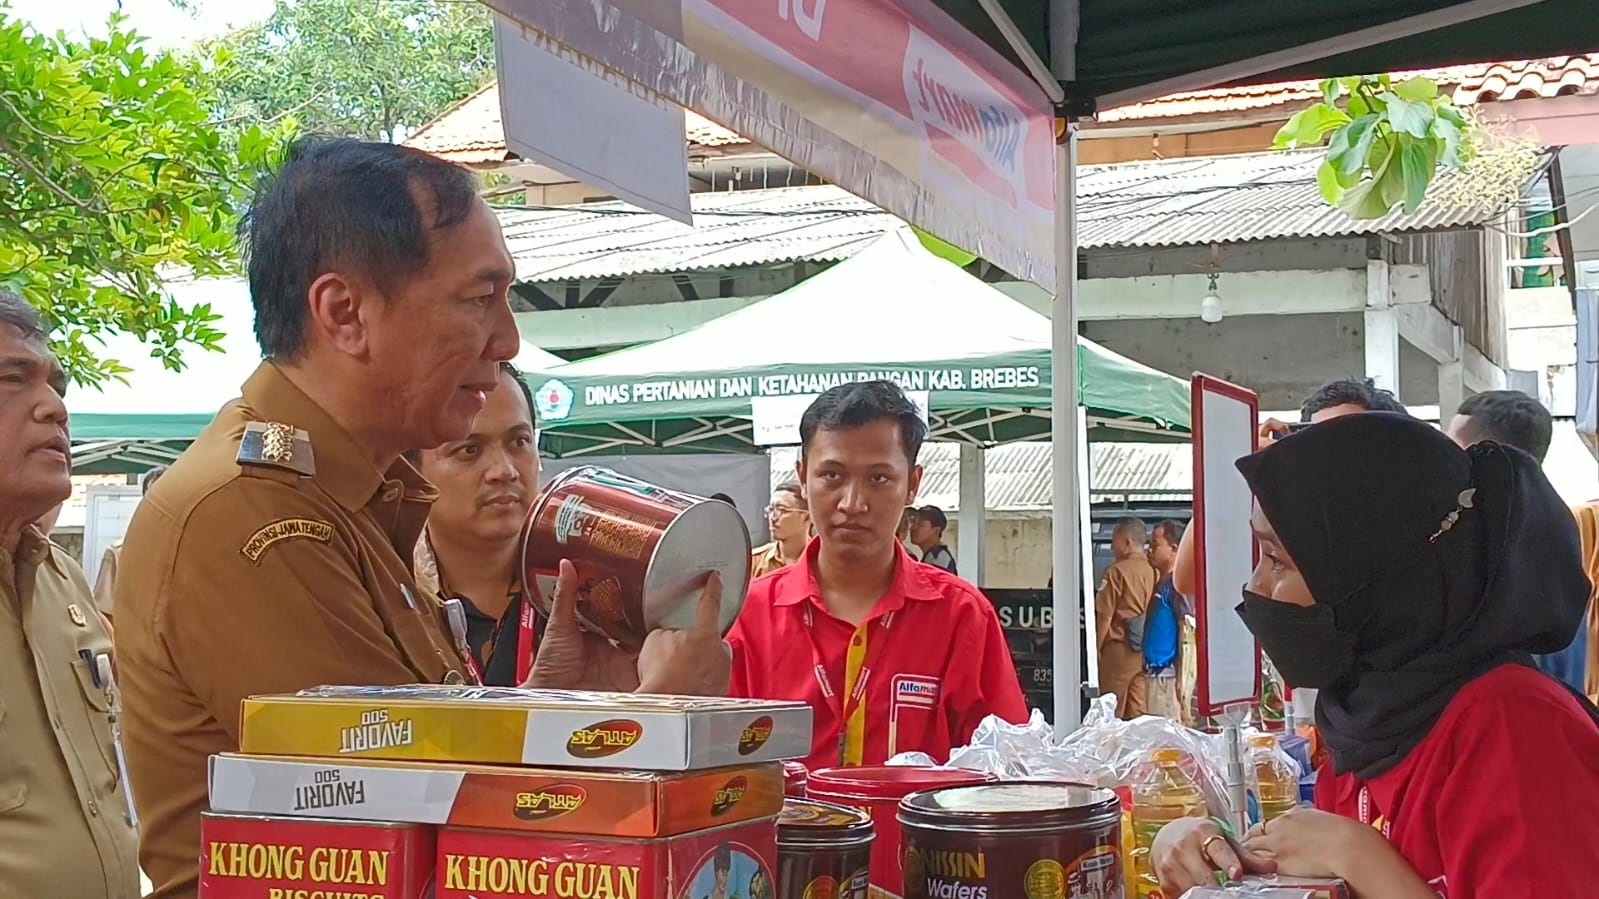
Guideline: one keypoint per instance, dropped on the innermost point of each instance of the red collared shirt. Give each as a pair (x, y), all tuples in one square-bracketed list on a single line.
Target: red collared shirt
[(918, 675)]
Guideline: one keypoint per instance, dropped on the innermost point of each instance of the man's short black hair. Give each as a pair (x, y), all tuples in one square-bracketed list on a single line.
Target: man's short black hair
[(1171, 531), (1509, 417), (507, 368), (934, 516), (1362, 392), (724, 858), (861, 403), (724, 498), (791, 488), (346, 205), (1133, 528)]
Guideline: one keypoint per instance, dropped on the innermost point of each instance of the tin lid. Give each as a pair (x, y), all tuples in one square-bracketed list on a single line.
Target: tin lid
[(1013, 804), (705, 537), (886, 781), (806, 821)]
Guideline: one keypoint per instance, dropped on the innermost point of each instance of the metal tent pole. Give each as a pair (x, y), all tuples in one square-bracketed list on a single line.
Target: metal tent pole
[(1065, 531)]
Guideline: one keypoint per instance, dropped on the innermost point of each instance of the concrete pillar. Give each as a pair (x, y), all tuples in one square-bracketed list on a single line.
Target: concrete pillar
[(973, 513), (1451, 390), (1381, 329)]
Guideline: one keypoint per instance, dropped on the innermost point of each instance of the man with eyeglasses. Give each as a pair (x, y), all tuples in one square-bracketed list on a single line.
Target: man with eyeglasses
[(790, 522)]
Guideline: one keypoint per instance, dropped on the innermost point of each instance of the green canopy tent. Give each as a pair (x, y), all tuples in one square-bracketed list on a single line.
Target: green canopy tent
[(894, 310), (152, 414)]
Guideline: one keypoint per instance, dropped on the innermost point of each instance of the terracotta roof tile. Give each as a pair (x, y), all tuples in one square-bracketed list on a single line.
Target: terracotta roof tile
[(470, 132), (1479, 83)]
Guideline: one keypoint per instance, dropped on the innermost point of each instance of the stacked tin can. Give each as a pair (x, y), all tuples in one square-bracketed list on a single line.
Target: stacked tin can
[(368, 792)]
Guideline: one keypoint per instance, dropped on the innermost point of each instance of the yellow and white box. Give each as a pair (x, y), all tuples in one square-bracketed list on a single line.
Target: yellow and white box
[(507, 726)]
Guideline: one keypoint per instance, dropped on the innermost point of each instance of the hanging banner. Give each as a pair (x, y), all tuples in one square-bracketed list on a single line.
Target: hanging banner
[(885, 98), (560, 109)]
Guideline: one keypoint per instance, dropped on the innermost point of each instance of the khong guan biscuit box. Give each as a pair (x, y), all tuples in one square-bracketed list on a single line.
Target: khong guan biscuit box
[(265, 857), (580, 801), (726, 861), (501, 725)]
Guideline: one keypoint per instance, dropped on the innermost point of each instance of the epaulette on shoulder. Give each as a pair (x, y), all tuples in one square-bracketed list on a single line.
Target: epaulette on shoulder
[(275, 445)]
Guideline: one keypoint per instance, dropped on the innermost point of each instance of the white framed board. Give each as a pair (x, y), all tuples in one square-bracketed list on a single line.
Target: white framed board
[(1225, 429)]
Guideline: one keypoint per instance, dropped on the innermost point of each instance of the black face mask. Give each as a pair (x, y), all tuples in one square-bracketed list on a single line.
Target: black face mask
[(1302, 641)]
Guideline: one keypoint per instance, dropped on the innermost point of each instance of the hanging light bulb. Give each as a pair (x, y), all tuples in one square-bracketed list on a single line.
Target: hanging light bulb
[(1210, 311)]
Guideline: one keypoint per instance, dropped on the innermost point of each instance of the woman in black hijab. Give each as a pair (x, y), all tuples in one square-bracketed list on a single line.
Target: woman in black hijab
[(1410, 581)]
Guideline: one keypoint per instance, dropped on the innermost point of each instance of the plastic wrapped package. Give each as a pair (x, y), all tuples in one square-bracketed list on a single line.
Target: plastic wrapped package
[(1240, 891), (1106, 751), (1273, 886)]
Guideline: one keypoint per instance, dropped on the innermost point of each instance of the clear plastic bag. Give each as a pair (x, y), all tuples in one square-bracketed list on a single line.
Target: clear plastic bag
[(1106, 751)]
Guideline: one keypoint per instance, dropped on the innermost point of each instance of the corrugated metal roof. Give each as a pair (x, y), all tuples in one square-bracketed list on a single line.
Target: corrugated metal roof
[(1172, 202), (1018, 477), (731, 229), (1226, 199)]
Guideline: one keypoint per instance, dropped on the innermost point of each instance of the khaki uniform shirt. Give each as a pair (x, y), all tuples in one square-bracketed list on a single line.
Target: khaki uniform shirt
[(766, 559), (247, 572), (64, 831), (1588, 528), (1124, 594), (105, 579)]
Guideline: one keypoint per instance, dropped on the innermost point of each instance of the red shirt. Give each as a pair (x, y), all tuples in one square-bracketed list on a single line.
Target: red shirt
[(1498, 801), (927, 665)]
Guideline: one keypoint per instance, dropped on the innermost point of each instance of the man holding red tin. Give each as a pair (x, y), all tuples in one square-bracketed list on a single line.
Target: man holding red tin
[(892, 655)]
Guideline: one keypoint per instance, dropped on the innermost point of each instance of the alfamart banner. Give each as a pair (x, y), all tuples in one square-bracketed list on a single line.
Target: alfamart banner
[(957, 141), (954, 386)]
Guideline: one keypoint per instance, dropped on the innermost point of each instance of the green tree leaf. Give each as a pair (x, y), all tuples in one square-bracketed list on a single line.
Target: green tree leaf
[(1408, 116), (1420, 90), (113, 177), (352, 68), (1415, 171)]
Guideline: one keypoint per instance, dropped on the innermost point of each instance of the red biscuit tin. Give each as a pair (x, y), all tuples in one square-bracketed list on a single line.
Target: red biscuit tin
[(267, 857), (642, 552), (493, 864), (877, 790)]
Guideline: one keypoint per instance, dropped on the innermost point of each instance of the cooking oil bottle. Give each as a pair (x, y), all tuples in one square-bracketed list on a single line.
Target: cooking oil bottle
[(1276, 780), (1165, 793)]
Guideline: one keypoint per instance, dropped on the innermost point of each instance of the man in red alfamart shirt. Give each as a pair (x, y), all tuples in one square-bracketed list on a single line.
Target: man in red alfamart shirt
[(892, 655)]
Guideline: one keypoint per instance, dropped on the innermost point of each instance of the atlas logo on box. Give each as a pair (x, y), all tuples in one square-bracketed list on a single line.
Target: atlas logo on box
[(604, 739), (550, 802)]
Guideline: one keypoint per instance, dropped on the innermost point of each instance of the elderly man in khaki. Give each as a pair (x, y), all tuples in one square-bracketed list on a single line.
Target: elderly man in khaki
[(65, 830), (276, 553)]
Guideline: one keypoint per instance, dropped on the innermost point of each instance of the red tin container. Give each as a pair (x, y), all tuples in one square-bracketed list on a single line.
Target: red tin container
[(494, 864), (795, 779), (271, 857), (824, 851), (877, 790), (642, 552), (1061, 840)]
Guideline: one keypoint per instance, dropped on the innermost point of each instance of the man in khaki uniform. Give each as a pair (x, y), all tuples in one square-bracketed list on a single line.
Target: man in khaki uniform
[(276, 553), (65, 832), (1121, 600), (106, 578)]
